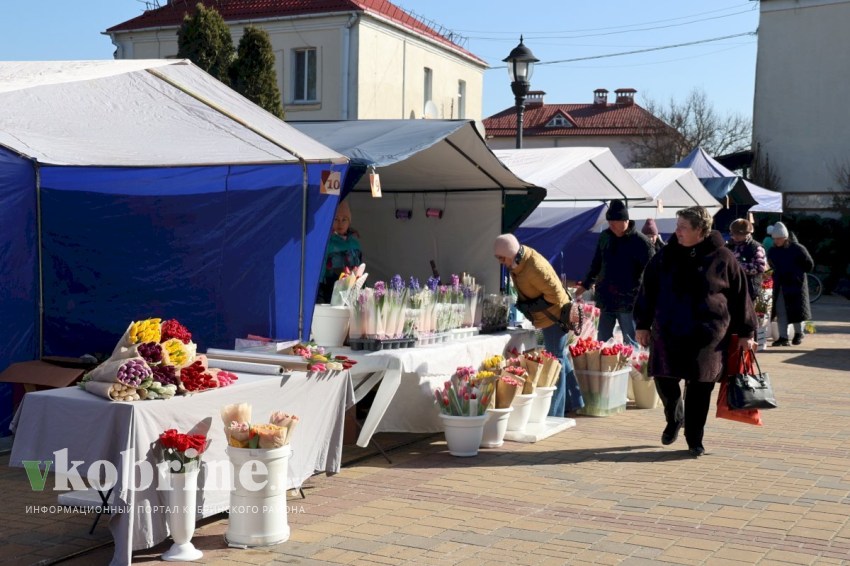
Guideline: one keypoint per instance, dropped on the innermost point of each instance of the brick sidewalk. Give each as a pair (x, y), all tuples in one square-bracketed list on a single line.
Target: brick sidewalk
[(605, 492)]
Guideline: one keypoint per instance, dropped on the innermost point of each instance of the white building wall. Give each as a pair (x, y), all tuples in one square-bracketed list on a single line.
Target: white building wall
[(802, 90), (391, 75), (382, 65)]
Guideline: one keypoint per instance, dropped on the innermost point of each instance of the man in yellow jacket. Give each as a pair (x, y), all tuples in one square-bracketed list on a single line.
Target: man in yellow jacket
[(543, 300)]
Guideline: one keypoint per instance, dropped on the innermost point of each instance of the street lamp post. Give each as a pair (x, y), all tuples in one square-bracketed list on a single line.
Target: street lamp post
[(520, 66)]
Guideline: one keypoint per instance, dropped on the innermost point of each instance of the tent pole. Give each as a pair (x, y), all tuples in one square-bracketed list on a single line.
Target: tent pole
[(37, 168), (304, 195)]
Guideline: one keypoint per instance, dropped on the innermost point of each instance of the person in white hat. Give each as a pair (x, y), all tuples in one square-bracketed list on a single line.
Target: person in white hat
[(790, 262)]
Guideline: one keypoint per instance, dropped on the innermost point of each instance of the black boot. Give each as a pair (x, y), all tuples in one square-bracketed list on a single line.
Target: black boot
[(798, 339), (671, 433)]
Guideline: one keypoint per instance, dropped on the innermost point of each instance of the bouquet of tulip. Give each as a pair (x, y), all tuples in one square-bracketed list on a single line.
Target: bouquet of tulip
[(640, 364), (614, 357), (460, 397), (241, 433), (347, 287), (764, 300), (493, 363), (182, 451), (586, 354), (520, 375)]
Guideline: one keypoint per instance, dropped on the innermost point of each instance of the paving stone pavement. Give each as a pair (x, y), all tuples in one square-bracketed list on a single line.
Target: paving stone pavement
[(605, 492)]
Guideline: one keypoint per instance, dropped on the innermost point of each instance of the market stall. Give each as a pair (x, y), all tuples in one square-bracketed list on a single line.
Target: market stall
[(445, 196), (73, 424)]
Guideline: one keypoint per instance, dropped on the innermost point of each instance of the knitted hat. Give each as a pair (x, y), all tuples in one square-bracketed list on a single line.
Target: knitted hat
[(649, 227), (617, 211), (779, 230), (506, 245)]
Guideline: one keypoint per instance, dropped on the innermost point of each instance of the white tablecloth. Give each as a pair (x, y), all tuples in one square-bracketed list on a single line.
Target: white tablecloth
[(92, 428), (404, 401)]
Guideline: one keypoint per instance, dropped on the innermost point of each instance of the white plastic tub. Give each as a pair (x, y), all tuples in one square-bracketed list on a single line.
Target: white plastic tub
[(258, 514), (330, 325)]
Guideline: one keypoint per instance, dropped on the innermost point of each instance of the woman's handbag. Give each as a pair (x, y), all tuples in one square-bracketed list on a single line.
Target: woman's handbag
[(750, 390)]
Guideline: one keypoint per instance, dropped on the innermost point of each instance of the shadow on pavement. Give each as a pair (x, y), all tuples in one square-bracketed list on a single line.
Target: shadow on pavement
[(824, 358)]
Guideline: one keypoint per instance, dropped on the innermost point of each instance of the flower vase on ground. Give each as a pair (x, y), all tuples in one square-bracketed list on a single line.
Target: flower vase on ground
[(540, 405), (495, 427), (182, 498), (521, 413), (463, 434)]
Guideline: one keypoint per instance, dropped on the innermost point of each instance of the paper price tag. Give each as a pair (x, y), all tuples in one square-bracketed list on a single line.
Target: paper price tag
[(331, 183), (375, 184)]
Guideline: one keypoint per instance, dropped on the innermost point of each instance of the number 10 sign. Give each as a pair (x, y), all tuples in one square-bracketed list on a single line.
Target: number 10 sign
[(331, 183)]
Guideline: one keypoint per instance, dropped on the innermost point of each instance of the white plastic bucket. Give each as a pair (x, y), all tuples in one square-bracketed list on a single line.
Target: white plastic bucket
[(330, 325), (258, 499), (463, 434), (495, 427), (521, 413), (540, 405)]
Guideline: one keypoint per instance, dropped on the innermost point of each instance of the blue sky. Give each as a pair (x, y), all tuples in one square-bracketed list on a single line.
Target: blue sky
[(555, 30)]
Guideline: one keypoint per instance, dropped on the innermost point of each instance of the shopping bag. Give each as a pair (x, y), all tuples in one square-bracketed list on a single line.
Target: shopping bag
[(749, 389), (735, 366)]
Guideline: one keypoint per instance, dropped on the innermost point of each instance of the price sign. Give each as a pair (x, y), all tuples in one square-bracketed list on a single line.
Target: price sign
[(331, 183), (375, 184)]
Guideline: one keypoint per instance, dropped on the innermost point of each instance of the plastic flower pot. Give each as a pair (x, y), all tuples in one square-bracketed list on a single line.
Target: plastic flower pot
[(646, 396), (540, 405), (522, 411), (495, 427), (258, 499), (463, 434), (330, 325)]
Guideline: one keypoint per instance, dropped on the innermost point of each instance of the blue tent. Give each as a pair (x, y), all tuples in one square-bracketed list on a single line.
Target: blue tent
[(135, 189)]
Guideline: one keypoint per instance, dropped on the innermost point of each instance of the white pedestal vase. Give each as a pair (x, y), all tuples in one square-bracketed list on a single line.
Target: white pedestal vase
[(522, 411), (258, 514), (495, 427), (463, 434), (541, 404), (182, 498)]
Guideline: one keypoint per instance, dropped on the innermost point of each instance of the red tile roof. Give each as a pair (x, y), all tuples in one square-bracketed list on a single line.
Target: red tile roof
[(589, 120), (172, 15)]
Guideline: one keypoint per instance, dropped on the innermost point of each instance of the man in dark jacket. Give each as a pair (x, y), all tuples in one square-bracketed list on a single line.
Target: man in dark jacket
[(621, 255)]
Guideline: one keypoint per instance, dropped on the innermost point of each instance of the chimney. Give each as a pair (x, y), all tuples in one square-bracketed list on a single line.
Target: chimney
[(534, 98), (625, 96), (600, 97)]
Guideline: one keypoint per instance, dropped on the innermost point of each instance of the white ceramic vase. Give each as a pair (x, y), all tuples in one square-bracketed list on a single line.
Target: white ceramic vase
[(541, 404), (182, 498), (495, 427), (463, 434)]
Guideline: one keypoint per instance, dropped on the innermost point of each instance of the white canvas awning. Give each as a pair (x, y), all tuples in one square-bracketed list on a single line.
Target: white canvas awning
[(673, 188), (140, 113), (586, 174)]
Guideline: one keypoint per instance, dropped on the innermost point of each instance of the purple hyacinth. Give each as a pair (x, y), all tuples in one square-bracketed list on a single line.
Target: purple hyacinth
[(380, 289), (397, 283), (455, 281), (433, 283), (414, 284)]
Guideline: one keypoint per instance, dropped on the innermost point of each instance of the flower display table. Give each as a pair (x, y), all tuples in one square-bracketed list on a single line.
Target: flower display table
[(88, 428)]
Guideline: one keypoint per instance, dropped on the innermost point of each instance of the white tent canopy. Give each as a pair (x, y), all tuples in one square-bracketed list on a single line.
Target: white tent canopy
[(671, 189), (768, 201), (157, 113), (588, 174)]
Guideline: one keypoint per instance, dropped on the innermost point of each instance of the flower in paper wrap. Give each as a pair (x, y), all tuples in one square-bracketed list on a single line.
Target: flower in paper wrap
[(269, 436), (238, 434), (179, 354), (239, 412), (173, 329), (152, 353), (195, 377), (145, 331), (133, 372)]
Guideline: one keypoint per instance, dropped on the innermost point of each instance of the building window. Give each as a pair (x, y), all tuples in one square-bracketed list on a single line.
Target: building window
[(304, 81), (461, 99), (427, 87), (559, 121)]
